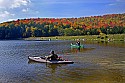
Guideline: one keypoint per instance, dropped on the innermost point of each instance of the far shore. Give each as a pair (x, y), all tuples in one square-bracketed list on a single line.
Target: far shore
[(110, 37)]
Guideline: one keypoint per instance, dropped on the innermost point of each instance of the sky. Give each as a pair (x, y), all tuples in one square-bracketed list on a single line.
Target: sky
[(21, 9)]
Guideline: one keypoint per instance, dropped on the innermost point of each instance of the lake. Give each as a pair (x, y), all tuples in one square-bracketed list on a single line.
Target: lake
[(98, 62)]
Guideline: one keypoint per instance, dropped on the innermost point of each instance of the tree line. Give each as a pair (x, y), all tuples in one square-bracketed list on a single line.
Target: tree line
[(39, 27)]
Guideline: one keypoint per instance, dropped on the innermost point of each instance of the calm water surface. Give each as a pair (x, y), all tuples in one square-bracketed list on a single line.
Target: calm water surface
[(96, 63)]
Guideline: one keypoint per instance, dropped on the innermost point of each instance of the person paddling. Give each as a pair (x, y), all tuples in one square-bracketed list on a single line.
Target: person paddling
[(78, 43), (52, 56)]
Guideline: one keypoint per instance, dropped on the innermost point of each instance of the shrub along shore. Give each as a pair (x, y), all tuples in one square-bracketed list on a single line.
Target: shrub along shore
[(102, 37)]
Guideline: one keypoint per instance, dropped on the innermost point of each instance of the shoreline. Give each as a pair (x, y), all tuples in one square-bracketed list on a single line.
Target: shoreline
[(104, 38), (115, 37), (110, 37)]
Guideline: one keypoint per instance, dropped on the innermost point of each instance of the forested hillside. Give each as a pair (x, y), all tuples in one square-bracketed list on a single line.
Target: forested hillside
[(38, 27)]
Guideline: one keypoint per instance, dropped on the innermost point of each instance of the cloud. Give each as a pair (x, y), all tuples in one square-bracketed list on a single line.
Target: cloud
[(112, 4), (117, 3), (18, 3), (120, 0), (13, 3), (5, 14), (37, 12), (11, 19), (76, 1), (8, 8), (25, 10)]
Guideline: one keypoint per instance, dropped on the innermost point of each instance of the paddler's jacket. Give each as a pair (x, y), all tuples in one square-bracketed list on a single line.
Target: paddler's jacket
[(52, 57)]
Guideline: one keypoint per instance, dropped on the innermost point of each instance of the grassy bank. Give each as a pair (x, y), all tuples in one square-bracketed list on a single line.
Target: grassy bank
[(115, 37)]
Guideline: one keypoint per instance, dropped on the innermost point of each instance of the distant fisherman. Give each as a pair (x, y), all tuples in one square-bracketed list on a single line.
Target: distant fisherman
[(78, 43)]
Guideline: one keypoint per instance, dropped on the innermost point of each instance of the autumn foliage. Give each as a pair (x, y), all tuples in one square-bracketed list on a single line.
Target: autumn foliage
[(38, 27)]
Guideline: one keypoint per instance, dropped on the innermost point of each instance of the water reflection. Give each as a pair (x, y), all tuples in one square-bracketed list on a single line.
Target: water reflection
[(52, 67), (76, 50)]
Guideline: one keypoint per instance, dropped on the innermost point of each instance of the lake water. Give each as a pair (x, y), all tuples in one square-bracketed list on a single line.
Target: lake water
[(96, 63)]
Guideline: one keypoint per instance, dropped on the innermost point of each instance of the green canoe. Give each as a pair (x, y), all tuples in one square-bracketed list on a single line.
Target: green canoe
[(76, 46)]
